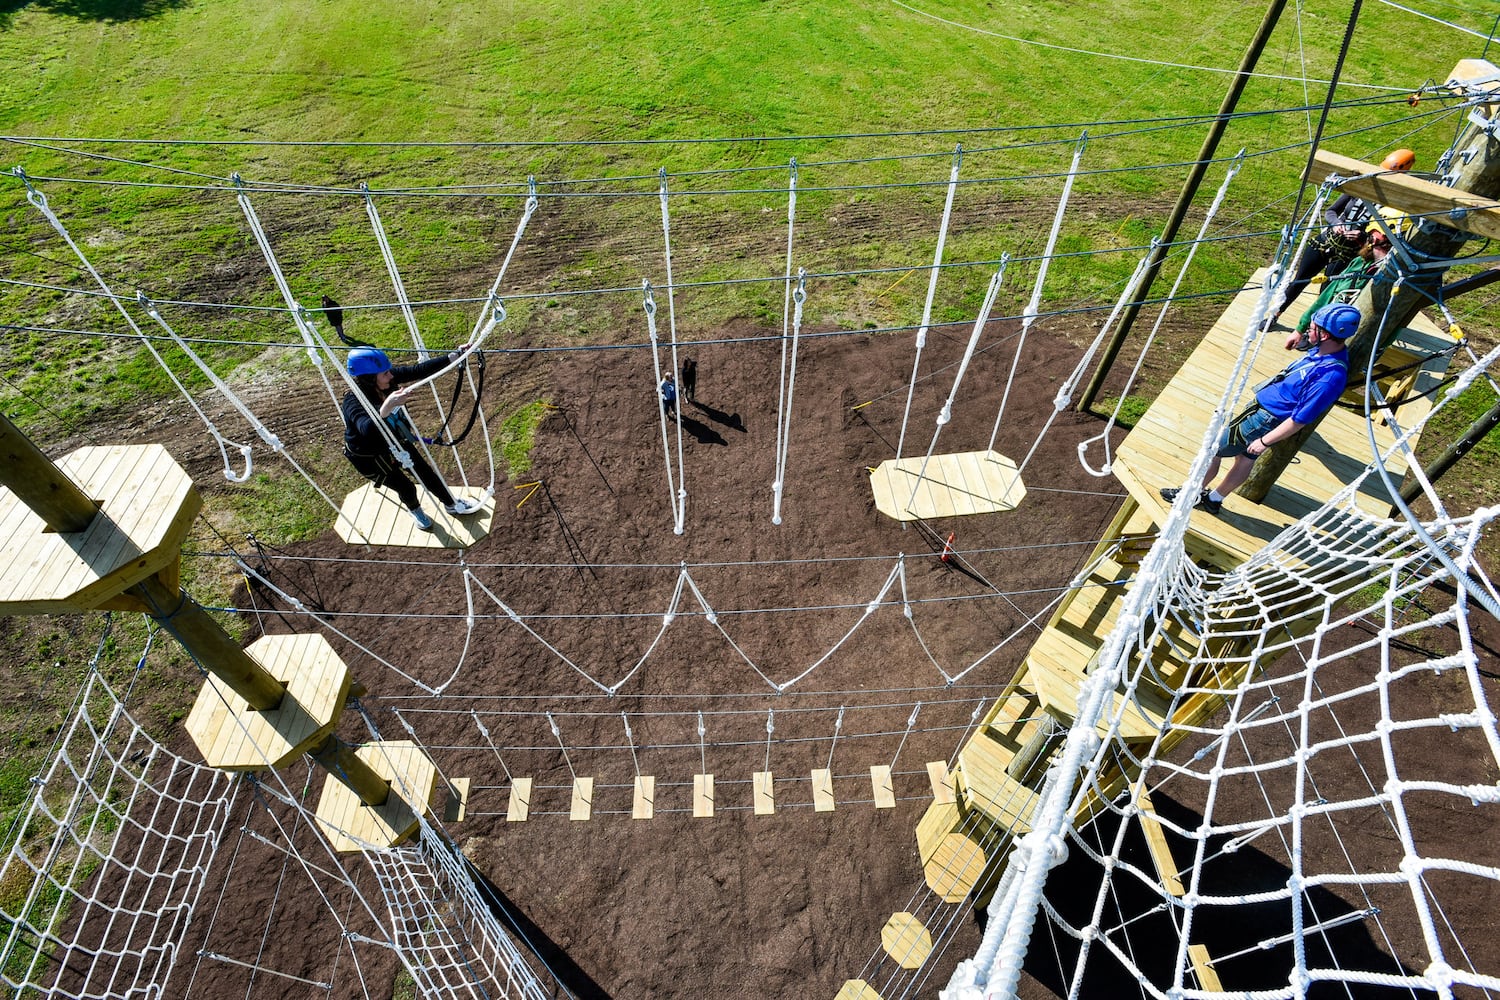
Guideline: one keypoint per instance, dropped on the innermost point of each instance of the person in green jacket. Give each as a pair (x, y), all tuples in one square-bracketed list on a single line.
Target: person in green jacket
[(1344, 286)]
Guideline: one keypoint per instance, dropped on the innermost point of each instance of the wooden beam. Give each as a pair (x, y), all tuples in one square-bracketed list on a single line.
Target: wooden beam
[(1412, 195), (1156, 840)]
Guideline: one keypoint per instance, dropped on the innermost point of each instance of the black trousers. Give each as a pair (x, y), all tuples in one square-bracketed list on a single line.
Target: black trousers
[(385, 471)]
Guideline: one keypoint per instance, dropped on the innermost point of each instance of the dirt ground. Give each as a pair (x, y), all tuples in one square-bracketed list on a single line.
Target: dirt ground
[(737, 904)]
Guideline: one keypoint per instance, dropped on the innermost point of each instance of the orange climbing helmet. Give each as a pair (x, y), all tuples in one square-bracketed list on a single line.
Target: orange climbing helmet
[(1399, 159)]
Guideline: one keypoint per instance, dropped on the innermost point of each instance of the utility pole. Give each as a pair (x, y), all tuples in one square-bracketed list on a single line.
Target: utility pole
[(1184, 201), (1382, 314)]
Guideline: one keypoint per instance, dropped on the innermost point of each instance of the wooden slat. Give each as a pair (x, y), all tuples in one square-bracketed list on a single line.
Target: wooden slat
[(458, 801), (822, 786), (643, 805), (765, 793), (703, 795), (519, 806), (583, 799), (942, 784), (1156, 842), (1408, 194), (881, 786), (1203, 966)]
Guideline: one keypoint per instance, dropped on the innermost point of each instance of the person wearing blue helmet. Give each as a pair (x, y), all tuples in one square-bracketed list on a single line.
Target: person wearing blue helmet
[(1297, 396), (366, 448)]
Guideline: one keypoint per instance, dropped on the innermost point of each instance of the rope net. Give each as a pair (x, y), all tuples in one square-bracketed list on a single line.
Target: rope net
[(107, 859), (1302, 821)]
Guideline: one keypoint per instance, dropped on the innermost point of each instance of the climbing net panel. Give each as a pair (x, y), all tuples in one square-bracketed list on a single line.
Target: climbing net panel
[(107, 859)]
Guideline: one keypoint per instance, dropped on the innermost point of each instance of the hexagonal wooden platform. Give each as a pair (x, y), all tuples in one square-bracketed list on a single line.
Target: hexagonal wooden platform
[(148, 503), (234, 736), (350, 825), (972, 482), (374, 516)]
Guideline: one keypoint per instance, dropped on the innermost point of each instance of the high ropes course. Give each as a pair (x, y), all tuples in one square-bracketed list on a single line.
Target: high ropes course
[(881, 578)]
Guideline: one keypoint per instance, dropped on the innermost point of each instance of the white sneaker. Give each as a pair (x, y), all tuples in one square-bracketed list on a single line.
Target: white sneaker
[(424, 523), (462, 507)]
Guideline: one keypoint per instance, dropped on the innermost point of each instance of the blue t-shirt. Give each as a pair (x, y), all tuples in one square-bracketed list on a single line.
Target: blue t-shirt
[(668, 392), (1308, 387)]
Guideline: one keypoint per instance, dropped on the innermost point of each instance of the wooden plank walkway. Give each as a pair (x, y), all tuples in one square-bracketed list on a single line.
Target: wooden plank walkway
[(1162, 446)]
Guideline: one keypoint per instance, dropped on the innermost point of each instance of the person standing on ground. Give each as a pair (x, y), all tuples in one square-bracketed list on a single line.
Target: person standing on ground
[(366, 448), (690, 380), (668, 391), (1302, 392)]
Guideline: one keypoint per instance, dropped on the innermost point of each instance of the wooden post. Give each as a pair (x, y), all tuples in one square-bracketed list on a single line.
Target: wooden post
[(1458, 449), (1184, 200), (37, 482), (1479, 176), (339, 759)]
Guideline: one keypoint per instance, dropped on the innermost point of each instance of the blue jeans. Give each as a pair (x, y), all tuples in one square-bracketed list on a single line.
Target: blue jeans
[(1248, 425)]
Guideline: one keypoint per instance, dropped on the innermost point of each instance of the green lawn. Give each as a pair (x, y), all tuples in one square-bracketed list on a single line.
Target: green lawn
[(596, 98)]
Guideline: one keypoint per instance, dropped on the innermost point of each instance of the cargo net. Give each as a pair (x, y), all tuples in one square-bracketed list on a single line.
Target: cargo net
[(1317, 819), (445, 926), (104, 863)]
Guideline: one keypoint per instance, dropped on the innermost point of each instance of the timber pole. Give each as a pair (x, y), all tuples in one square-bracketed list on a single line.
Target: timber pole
[(1184, 201), (1397, 293), (1458, 449), (38, 483)]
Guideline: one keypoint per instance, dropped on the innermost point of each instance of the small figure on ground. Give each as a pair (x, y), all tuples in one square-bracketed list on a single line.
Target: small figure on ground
[(690, 380), (668, 391), (1332, 249), (1300, 394), (367, 450)]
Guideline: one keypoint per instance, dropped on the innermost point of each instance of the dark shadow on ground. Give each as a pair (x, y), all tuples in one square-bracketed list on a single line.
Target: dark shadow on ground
[(730, 420), (1241, 930), (92, 10), (701, 432), (573, 979)]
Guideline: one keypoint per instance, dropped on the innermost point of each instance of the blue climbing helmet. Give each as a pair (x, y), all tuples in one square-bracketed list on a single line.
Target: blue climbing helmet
[(367, 361), (1339, 319)]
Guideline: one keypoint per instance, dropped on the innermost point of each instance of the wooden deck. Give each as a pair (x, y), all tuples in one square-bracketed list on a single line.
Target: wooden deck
[(1162, 446)]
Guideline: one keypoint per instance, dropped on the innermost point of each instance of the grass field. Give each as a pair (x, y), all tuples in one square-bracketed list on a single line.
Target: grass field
[(127, 114)]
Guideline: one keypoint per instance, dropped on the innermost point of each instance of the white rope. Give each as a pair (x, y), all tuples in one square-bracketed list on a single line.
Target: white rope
[(300, 318), (399, 286), (679, 504), (1029, 314), (1065, 393), (784, 412), (786, 313), (932, 280), (946, 413), (648, 305), (39, 201)]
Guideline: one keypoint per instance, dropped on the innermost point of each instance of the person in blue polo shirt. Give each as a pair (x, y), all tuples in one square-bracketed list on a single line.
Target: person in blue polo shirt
[(1302, 392)]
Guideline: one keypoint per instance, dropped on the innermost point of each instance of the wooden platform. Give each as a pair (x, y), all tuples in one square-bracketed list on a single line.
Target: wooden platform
[(374, 516), (1162, 446), (350, 825), (148, 503), (236, 737), (973, 482)]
